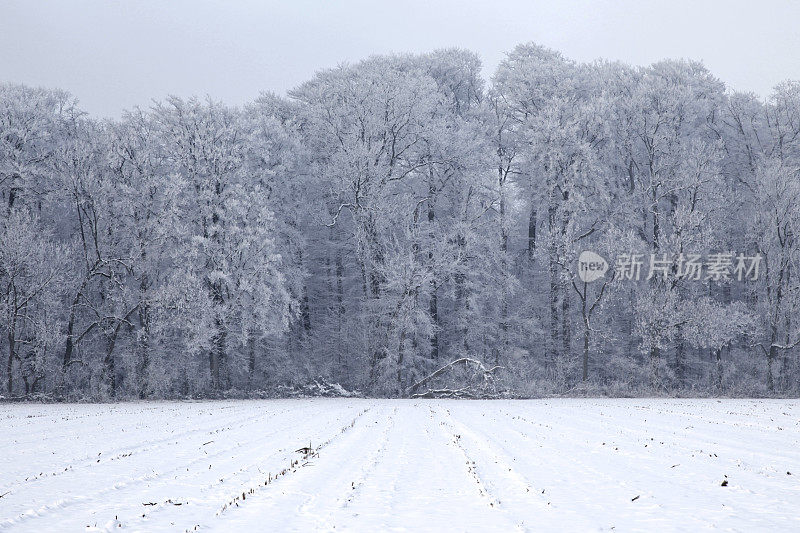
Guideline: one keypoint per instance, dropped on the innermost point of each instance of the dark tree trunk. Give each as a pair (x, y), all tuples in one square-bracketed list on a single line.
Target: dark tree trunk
[(586, 353), (586, 332), (251, 360), (69, 344), (679, 357), (504, 276), (10, 364), (434, 303), (532, 233), (554, 351), (143, 348), (110, 363), (566, 334), (434, 312), (217, 355), (655, 356), (771, 354)]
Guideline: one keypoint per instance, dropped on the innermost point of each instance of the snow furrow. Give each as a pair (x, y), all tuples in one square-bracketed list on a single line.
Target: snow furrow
[(403, 465)]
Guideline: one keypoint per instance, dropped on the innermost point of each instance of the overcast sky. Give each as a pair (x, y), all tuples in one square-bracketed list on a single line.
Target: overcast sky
[(113, 55)]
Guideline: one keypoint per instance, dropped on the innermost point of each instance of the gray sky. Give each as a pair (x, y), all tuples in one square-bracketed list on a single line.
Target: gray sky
[(113, 55)]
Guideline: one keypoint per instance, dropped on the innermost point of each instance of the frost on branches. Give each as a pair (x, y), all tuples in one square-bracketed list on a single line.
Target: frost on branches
[(401, 226)]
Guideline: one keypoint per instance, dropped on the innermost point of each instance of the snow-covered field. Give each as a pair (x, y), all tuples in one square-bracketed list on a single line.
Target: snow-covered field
[(399, 465)]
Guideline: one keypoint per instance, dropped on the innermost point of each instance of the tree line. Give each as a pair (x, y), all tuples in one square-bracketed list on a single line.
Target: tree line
[(391, 216)]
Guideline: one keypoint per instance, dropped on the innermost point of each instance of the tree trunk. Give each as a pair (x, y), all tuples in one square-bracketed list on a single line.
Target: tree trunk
[(110, 361), (586, 352), (217, 355), (566, 334), (679, 356), (68, 345), (340, 286), (143, 351), (434, 303), (400, 359), (70, 341), (655, 355), (434, 312), (532, 233), (110, 370), (251, 359), (305, 312), (343, 366), (554, 351), (13, 191), (504, 275), (10, 365), (553, 270), (462, 298), (586, 332), (770, 358)]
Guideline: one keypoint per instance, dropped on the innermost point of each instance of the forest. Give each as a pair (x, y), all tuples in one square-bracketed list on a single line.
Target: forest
[(402, 226)]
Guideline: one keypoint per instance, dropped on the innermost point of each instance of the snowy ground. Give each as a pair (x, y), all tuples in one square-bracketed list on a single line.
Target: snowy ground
[(395, 465)]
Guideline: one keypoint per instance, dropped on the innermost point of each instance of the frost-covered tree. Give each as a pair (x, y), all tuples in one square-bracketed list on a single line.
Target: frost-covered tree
[(31, 277), (400, 223), (225, 231)]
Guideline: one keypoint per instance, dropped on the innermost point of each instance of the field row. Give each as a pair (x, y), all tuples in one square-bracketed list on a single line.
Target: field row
[(323, 464)]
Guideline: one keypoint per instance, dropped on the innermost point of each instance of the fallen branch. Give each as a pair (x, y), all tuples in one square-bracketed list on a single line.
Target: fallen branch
[(466, 361), (776, 346), (445, 393)]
